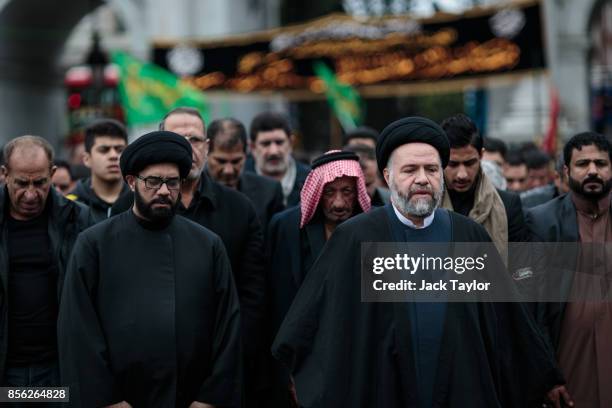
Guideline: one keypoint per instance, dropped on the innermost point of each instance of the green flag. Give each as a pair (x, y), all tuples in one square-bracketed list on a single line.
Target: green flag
[(148, 91), (343, 99)]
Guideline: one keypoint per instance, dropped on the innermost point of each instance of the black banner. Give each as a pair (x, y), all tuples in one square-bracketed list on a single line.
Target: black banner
[(376, 51)]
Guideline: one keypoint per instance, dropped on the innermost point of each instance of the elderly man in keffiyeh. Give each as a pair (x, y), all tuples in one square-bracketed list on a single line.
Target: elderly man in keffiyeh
[(333, 192)]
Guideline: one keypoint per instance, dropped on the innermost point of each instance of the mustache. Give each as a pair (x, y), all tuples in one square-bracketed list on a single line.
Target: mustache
[(274, 157), (420, 190), (161, 200), (593, 179)]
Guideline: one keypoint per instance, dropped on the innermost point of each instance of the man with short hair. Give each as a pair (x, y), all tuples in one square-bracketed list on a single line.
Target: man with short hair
[(543, 194), (334, 191), (470, 192), (344, 352), (62, 179), (38, 228), (515, 172), (362, 135), (226, 157), (150, 316), (105, 139), (271, 146), (538, 168), (494, 150), (580, 330)]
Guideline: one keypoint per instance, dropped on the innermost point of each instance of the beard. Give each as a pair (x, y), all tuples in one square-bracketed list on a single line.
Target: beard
[(579, 187), (156, 215), (422, 207)]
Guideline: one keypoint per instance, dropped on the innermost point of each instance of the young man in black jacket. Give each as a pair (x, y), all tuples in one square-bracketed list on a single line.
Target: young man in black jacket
[(104, 141)]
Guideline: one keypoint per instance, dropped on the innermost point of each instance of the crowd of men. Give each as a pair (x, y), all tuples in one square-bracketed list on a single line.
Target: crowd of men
[(202, 266)]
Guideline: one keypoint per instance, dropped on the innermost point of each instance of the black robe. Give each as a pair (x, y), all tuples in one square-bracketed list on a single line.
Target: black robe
[(291, 253), (149, 316), (348, 353)]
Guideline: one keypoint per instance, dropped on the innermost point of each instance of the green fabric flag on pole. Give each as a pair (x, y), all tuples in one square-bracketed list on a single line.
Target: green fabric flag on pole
[(343, 98), (148, 91)]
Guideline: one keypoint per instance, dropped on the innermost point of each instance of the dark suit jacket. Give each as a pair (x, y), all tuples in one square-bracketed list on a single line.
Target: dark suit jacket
[(555, 221), (302, 172), (265, 194), (517, 230)]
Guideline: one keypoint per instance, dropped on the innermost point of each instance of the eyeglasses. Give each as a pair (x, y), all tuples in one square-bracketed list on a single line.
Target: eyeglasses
[(155, 183)]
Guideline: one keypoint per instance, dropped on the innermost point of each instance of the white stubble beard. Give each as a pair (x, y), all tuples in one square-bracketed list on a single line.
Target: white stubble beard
[(422, 207)]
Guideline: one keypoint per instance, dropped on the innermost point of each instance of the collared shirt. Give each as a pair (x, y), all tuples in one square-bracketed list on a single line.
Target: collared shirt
[(426, 222), (594, 224)]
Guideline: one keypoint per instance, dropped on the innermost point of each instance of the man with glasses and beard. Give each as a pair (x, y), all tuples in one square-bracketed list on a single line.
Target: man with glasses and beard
[(580, 331), (149, 315), (231, 215), (343, 352)]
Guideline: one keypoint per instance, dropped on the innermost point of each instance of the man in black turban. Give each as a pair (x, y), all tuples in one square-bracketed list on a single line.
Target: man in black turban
[(149, 314), (345, 352)]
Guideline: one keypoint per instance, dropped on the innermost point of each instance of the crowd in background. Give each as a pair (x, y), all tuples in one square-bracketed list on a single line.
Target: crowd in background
[(274, 216)]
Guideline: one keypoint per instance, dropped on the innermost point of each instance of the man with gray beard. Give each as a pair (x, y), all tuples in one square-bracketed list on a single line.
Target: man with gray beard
[(345, 352)]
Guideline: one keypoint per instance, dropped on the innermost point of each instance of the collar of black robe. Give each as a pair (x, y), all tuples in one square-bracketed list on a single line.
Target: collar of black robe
[(150, 225)]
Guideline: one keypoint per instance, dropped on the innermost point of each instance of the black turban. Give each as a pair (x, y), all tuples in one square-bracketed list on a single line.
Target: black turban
[(156, 147), (411, 130), (330, 157)]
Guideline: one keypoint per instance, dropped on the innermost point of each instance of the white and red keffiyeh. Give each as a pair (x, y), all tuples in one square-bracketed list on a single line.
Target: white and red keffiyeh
[(336, 163)]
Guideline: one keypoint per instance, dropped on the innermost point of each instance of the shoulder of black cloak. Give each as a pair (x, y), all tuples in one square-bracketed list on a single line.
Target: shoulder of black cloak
[(372, 226)]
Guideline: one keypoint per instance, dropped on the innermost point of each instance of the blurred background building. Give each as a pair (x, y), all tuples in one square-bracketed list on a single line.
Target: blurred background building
[(54, 58)]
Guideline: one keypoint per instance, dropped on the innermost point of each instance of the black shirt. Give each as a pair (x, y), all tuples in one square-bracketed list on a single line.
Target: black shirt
[(463, 202), (32, 293)]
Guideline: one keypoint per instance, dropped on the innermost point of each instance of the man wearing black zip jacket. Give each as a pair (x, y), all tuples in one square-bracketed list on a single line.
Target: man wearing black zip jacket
[(38, 229)]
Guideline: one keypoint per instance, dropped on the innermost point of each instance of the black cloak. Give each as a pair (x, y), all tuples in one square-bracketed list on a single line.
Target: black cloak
[(150, 316), (347, 353)]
